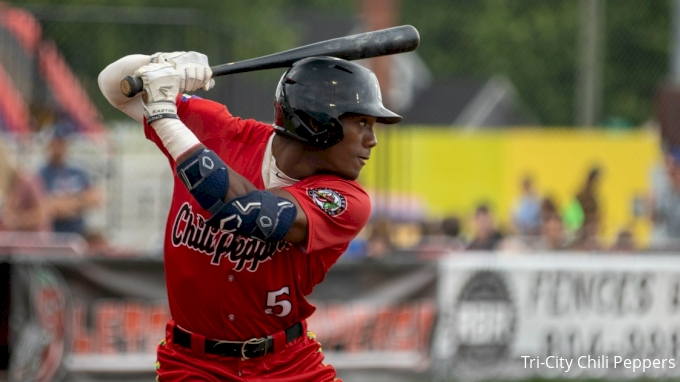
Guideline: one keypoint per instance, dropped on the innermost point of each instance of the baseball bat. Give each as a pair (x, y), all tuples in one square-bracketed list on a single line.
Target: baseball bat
[(381, 42)]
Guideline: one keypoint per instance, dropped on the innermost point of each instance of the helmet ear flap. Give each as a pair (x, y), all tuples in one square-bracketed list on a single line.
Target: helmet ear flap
[(335, 134), (322, 130), (302, 120)]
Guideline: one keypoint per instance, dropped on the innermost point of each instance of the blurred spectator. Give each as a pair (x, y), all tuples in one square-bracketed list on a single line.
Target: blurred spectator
[(405, 235), (587, 238), (664, 201), (431, 228), (624, 242), (440, 237), (587, 198), (379, 243), (22, 206), (584, 210), (526, 216), (486, 236), (70, 192), (553, 236), (548, 207), (452, 232)]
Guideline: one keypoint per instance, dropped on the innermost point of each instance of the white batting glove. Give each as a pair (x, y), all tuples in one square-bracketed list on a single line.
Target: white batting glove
[(161, 86), (156, 57), (194, 70)]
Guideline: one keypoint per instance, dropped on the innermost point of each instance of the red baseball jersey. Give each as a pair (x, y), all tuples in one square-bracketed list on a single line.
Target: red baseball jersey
[(233, 287)]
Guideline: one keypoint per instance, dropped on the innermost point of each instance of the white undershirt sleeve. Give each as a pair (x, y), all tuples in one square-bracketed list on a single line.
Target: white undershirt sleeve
[(109, 84), (175, 136)]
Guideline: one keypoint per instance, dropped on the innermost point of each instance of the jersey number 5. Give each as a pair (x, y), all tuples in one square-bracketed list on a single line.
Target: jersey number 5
[(272, 302)]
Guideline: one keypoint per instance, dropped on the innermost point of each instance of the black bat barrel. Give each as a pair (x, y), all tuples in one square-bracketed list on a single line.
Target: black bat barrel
[(382, 42)]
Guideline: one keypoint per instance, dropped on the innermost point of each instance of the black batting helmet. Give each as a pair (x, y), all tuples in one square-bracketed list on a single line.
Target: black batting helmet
[(316, 91)]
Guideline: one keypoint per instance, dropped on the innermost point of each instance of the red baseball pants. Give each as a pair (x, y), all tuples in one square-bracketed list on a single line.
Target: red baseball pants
[(299, 361)]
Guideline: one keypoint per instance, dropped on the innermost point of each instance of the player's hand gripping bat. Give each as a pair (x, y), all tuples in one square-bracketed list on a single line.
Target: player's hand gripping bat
[(382, 42)]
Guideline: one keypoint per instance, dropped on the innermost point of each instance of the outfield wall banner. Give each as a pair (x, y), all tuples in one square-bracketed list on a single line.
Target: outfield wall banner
[(508, 316), (103, 318)]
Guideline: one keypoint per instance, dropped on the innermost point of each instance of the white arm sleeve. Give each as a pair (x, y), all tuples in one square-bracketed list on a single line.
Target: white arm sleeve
[(109, 84)]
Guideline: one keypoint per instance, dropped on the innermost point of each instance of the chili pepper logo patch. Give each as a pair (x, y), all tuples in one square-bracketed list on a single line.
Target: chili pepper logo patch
[(330, 201)]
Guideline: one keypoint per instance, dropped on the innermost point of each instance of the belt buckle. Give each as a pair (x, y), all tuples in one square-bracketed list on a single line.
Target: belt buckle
[(253, 341)]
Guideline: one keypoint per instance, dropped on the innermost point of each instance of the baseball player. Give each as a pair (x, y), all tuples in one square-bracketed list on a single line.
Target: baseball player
[(259, 212)]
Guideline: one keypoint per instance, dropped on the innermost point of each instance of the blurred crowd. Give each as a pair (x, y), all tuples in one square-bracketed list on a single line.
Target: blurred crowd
[(538, 223), (55, 198), (51, 201)]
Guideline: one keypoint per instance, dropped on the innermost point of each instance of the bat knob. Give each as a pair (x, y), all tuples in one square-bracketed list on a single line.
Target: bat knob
[(130, 86)]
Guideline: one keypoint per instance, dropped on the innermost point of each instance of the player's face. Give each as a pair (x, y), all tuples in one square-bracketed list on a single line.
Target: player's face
[(349, 156)]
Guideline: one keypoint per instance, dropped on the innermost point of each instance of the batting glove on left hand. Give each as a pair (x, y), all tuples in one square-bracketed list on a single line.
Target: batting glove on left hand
[(161, 87), (194, 70)]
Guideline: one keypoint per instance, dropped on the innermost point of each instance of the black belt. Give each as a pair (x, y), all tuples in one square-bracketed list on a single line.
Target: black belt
[(253, 348)]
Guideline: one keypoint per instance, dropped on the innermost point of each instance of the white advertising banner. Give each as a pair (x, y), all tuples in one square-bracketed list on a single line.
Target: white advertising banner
[(599, 315)]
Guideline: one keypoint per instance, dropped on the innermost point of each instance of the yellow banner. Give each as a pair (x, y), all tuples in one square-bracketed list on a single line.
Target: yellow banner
[(452, 170)]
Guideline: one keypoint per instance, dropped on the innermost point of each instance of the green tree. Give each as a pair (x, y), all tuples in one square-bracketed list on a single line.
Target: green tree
[(92, 34), (637, 57), (534, 44)]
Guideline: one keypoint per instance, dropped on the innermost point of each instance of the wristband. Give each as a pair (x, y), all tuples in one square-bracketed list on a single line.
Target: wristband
[(175, 136), (156, 117)]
